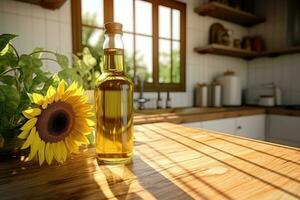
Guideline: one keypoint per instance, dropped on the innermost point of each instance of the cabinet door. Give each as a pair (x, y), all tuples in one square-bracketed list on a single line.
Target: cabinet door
[(193, 124), (285, 127), (220, 125), (251, 126)]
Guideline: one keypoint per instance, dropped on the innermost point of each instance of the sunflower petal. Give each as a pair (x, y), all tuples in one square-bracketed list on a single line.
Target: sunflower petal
[(24, 134), (45, 104), (64, 152), (49, 153), (30, 139), (71, 145), (57, 152), (84, 99), (79, 137), (34, 145), (32, 112), (79, 91), (72, 99), (29, 124), (50, 94), (82, 126), (60, 90), (41, 152), (37, 98), (90, 122), (83, 107), (72, 87)]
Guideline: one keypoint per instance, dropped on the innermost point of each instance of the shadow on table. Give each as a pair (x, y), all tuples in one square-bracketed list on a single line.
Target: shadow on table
[(147, 182)]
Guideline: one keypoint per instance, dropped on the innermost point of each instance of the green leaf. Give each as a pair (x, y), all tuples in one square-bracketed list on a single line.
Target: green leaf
[(8, 60), (37, 52), (62, 60), (5, 50), (70, 75), (29, 66), (11, 99), (8, 79), (47, 85), (88, 59), (4, 43)]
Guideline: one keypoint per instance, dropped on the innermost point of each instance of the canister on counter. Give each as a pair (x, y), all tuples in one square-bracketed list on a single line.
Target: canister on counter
[(201, 95), (215, 93)]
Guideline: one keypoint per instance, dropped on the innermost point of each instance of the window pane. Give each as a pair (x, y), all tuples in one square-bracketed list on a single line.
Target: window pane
[(164, 22), (93, 38), (164, 61), (143, 57), (123, 13), (143, 17), (176, 62), (128, 50), (92, 12), (176, 24)]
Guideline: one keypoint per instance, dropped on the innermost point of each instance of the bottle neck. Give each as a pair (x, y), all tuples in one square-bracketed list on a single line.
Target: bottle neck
[(113, 60)]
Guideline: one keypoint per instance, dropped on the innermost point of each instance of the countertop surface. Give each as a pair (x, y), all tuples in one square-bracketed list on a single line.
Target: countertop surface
[(170, 162), (195, 114)]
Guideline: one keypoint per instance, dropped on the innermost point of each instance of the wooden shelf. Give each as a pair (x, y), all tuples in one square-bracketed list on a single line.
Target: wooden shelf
[(230, 14), (49, 4), (280, 52), (225, 51), (218, 49)]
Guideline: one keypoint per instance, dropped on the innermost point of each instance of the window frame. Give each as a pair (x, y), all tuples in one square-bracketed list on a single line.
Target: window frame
[(108, 16)]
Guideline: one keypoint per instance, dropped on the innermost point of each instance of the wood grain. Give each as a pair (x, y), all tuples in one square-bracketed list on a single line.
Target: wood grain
[(221, 11), (186, 115), (194, 114), (219, 49), (170, 162)]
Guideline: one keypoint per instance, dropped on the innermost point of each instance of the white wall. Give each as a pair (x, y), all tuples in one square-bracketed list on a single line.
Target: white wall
[(52, 30), (37, 27), (284, 71)]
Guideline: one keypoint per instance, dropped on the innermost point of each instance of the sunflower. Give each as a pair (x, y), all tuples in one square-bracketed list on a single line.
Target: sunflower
[(58, 123)]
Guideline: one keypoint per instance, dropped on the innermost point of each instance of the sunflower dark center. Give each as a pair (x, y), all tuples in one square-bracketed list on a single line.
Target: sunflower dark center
[(55, 122), (58, 122)]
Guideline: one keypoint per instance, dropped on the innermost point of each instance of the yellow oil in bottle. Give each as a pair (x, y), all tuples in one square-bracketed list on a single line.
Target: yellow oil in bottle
[(114, 109)]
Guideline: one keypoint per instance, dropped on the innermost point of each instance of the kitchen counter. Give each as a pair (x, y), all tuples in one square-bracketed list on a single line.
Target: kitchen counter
[(195, 114), (170, 162)]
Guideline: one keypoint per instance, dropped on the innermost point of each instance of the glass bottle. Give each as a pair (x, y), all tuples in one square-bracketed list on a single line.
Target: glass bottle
[(114, 102)]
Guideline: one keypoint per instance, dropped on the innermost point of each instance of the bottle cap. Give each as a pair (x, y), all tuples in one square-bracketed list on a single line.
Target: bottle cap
[(113, 28)]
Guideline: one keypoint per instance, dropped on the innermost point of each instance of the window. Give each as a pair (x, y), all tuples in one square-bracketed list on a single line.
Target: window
[(154, 37)]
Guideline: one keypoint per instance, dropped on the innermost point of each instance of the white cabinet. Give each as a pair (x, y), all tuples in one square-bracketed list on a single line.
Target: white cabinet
[(251, 126), (221, 125), (285, 128)]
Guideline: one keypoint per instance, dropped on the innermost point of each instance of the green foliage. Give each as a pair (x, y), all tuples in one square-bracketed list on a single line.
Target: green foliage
[(21, 75), (4, 43), (165, 67), (82, 70)]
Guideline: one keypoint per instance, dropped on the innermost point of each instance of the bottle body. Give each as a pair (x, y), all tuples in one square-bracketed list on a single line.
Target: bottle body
[(114, 114), (114, 103)]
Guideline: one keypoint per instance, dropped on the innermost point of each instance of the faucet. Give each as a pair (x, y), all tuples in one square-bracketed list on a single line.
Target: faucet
[(141, 100)]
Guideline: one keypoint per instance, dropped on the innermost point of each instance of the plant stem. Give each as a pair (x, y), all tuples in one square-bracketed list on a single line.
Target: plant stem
[(9, 70), (49, 59), (42, 51), (15, 51)]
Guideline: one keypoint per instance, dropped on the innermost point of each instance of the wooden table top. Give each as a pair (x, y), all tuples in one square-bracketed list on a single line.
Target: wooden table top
[(170, 162)]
